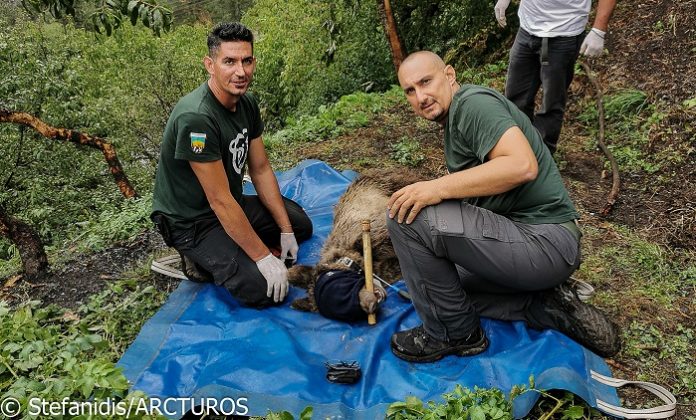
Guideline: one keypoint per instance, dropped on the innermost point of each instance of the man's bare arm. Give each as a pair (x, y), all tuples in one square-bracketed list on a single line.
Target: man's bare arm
[(510, 163), (604, 10), (266, 184), (212, 178)]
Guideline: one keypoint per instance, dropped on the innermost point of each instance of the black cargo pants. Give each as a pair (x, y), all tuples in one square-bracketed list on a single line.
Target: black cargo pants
[(219, 258)]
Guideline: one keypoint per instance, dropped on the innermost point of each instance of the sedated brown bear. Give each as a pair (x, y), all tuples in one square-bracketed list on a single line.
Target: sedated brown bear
[(365, 199)]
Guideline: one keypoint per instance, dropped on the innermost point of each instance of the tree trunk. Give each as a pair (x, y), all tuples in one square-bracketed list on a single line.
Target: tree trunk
[(76, 137), (31, 250), (398, 52)]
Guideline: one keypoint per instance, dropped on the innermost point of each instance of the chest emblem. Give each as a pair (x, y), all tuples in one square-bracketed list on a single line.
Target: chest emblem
[(197, 142), (239, 147)]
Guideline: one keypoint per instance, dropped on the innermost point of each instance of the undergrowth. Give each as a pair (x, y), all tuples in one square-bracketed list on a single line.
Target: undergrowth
[(655, 289), (55, 354), (632, 120)]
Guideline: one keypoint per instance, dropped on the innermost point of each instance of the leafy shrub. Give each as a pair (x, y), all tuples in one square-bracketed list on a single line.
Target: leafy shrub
[(121, 88), (462, 403), (408, 152), (53, 354), (310, 53), (464, 33)]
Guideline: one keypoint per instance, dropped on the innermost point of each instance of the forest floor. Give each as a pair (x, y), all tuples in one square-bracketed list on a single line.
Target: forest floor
[(651, 228)]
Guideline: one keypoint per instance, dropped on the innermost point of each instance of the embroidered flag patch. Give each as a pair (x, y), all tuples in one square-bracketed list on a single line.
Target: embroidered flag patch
[(197, 142)]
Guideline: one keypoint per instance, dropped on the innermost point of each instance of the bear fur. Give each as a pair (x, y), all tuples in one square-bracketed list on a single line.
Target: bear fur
[(366, 198)]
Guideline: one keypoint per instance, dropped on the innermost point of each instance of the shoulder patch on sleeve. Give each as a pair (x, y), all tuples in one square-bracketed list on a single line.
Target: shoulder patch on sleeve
[(197, 142)]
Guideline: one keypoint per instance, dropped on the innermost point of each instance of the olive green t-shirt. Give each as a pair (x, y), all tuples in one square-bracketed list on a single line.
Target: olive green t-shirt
[(201, 129), (478, 118)]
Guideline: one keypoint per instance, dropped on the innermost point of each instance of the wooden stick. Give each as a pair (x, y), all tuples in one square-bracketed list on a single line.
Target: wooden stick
[(367, 258), (615, 178)]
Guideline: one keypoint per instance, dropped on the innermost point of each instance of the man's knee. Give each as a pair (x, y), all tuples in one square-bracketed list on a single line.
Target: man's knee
[(302, 226), (249, 288), (417, 230), (301, 223)]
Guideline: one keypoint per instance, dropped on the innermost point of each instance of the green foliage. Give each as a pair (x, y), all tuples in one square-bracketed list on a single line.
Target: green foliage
[(407, 151), (10, 261), (121, 223), (306, 414), (310, 53), (630, 118), (651, 279), (625, 104), (491, 75), (121, 88), (465, 33), (53, 354), (108, 15), (462, 403)]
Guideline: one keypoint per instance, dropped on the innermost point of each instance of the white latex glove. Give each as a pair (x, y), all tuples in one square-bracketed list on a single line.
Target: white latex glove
[(276, 275), (593, 45), (500, 9), (288, 246)]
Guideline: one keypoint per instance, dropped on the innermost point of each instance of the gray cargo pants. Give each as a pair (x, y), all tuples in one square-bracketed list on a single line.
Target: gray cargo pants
[(460, 261)]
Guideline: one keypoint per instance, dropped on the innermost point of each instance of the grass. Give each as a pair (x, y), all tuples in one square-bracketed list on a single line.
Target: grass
[(651, 290)]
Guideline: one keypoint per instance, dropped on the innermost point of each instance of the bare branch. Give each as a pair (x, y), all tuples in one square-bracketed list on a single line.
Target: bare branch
[(616, 181), (48, 131)]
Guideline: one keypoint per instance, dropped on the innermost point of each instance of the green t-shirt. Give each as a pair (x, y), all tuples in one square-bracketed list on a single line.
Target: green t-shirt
[(478, 118), (201, 129)]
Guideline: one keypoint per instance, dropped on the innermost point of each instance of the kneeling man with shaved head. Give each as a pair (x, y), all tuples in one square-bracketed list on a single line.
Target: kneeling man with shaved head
[(496, 237)]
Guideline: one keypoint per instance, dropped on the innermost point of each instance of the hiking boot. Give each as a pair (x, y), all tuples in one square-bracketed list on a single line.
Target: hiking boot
[(581, 321), (193, 271), (416, 345)]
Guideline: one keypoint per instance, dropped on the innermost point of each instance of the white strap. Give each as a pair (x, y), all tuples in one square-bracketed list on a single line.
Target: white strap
[(661, 412), (164, 266)]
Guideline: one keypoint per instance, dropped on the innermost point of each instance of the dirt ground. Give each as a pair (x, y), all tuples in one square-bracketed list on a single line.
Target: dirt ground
[(71, 283)]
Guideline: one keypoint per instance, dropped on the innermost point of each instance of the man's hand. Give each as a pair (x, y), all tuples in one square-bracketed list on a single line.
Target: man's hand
[(288, 246), (593, 45), (500, 8), (276, 275), (410, 200)]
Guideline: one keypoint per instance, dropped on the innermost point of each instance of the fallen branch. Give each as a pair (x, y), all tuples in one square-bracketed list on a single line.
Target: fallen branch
[(616, 181), (76, 137)]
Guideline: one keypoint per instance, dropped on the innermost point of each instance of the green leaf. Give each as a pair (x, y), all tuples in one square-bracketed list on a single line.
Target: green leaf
[(476, 413), (157, 20), (286, 416), (87, 387), (574, 412), (306, 414)]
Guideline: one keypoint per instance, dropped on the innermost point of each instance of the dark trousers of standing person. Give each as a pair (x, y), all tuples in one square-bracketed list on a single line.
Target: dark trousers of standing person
[(217, 258), (548, 63), (460, 262)]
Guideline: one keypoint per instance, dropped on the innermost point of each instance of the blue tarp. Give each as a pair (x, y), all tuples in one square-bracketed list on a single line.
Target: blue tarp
[(202, 343)]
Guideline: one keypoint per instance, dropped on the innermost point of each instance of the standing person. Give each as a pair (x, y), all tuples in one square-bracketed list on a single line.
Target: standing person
[(551, 34), (496, 237), (212, 133)]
